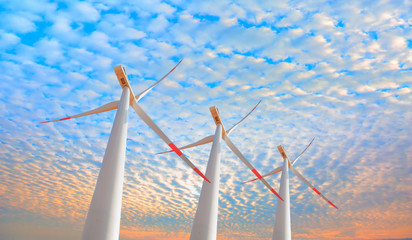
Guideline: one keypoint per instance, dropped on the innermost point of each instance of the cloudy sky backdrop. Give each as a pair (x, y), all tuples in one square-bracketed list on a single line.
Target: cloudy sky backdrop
[(339, 71)]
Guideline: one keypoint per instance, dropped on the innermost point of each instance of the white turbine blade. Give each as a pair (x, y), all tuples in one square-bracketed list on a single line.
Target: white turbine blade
[(163, 136), (294, 161), (234, 126), (310, 185), (279, 169), (139, 96), (107, 107), (274, 171), (236, 151), (205, 140)]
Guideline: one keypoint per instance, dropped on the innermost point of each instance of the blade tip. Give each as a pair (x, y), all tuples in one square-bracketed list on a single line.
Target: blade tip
[(201, 174), (163, 152), (276, 194), (250, 181), (333, 205)]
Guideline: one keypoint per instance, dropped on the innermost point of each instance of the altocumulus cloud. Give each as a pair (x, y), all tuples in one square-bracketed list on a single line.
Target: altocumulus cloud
[(339, 71)]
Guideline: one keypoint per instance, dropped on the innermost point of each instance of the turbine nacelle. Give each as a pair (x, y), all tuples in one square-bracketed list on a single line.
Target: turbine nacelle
[(296, 172), (124, 82), (301, 177), (284, 156), (282, 151), (209, 139), (216, 117), (121, 75), (225, 135)]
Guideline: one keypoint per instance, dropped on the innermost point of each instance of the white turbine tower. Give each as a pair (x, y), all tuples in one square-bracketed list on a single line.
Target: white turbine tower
[(282, 228), (205, 223), (103, 218)]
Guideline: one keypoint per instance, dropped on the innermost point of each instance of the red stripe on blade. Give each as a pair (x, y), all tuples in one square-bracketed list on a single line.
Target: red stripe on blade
[(249, 181), (277, 195), (175, 66), (175, 149), (67, 118), (164, 152), (332, 204), (201, 174), (256, 173), (45, 122), (316, 190)]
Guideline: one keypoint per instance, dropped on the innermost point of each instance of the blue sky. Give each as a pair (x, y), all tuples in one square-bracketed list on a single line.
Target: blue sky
[(339, 71)]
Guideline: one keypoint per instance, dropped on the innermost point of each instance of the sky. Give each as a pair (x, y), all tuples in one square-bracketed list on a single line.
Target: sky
[(339, 71)]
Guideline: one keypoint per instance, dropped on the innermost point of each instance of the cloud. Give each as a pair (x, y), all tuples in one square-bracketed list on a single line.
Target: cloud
[(84, 12), (50, 50), (62, 29), (121, 32), (8, 40), (339, 72), (17, 23), (159, 24)]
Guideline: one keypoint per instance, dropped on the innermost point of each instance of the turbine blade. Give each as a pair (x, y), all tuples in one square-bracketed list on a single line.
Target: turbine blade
[(205, 140), (279, 169), (139, 96), (142, 114), (274, 171), (294, 161), (107, 107), (234, 126), (236, 151), (310, 185)]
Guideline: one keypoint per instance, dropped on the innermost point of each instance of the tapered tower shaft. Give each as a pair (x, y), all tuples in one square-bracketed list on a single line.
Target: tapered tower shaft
[(282, 229), (103, 218), (205, 222)]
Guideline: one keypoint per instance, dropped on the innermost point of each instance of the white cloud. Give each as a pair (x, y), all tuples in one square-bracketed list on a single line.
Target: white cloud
[(291, 19), (40, 6), (393, 42), (84, 12), (17, 23), (159, 24), (8, 40), (166, 9), (121, 32), (50, 50), (404, 90), (340, 73), (245, 39), (99, 41), (62, 29)]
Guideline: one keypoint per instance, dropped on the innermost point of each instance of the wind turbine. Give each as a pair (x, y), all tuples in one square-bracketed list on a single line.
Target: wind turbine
[(205, 223), (103, 218), (282, 228)]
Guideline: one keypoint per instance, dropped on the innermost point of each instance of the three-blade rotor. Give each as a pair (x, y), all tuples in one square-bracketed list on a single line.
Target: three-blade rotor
[(279, 169), (225, 136), (124, 82), (296, 172), (209, 138), (299, 175)]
